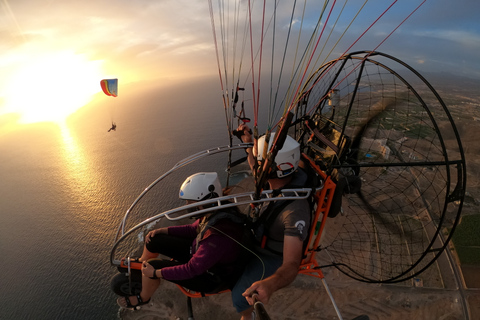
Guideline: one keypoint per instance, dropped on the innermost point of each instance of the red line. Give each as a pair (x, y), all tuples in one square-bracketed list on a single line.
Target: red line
[(366, 57), (212, 20), (261, 54), (366, 30), (370, 27), (421, 4), (311, 56), (255, 108)]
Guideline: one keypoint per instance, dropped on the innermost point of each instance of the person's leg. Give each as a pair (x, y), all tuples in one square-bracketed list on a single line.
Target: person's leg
[(205, 283), (149, 286), (246, 314), (255, 270), (174, 247), (171, 246), (147, 255)]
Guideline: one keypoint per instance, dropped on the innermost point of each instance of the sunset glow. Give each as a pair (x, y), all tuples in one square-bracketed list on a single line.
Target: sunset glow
[(51, 86), (54, 53)]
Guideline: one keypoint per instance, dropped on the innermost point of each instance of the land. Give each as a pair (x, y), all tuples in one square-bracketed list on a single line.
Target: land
[(306, 298)]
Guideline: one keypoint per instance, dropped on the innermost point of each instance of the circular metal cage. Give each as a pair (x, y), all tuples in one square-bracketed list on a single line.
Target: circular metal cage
[(371, 116)]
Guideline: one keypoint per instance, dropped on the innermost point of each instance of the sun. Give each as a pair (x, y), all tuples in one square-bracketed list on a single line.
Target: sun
[(52, 86)]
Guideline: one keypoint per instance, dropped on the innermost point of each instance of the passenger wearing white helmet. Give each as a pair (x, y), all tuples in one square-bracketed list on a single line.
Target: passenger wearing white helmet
[(285, 228), (202, 257), (201, 186)]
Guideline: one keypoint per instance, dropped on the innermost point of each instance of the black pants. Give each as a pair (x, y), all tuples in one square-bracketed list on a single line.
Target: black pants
[(178, 249)]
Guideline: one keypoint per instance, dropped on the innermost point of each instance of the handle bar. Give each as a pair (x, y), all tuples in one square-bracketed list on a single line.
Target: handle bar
[(260, 311)]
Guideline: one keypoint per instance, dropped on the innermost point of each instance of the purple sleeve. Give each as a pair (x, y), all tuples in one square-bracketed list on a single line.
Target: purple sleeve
[(188, 230), (208, 254)]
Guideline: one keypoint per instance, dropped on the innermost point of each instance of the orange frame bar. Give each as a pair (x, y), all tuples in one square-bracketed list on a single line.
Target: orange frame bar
[(323, 200)]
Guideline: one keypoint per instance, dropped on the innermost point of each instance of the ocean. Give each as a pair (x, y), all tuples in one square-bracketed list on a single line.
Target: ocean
[(64, 190)]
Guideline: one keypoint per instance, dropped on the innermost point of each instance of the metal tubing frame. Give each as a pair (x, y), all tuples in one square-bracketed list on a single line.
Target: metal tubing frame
[(323, 197)]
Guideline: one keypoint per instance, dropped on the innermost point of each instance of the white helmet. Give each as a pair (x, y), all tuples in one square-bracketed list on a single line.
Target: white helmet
[(287, 158), (201, 186)]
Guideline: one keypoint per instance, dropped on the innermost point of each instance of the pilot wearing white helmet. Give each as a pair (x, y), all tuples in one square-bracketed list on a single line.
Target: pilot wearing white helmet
[(284, 236), (287, 159)]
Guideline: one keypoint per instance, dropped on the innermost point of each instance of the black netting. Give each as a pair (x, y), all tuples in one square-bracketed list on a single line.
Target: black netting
[(392, 130)]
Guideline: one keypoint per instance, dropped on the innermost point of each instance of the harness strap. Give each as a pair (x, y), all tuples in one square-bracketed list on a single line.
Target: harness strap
[(212, 220), (267, 218)]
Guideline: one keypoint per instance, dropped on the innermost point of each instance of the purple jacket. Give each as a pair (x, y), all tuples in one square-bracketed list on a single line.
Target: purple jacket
[(213, 249)]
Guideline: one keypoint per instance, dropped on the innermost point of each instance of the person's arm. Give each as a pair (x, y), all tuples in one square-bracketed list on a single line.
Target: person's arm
[(149, 271), (208, 254), (292, 256), (188, 230), (248, 138)]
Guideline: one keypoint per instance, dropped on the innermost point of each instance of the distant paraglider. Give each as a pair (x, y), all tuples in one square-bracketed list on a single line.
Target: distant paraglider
[(114, 127), (110, 88)]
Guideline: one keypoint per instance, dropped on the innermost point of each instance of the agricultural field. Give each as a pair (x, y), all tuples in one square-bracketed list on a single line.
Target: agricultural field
[(467, 240)]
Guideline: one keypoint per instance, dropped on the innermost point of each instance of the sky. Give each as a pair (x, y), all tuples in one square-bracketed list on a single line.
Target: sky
[(53, 53)]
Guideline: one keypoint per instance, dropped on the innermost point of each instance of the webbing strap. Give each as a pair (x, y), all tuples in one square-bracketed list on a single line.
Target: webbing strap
[(268, 216)]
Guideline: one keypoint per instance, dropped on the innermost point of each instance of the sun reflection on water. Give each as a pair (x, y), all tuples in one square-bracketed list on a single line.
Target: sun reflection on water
[(72, 153), (85, 185)]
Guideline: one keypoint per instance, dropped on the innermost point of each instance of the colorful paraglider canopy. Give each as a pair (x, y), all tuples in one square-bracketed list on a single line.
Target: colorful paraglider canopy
[(110, 87)]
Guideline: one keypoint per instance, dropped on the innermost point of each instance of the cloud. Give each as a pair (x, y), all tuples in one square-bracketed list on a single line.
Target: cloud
[(149, 36), (461, 37)]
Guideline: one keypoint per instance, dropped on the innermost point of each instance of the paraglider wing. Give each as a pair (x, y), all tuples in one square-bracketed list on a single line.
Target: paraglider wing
[(110, 87)]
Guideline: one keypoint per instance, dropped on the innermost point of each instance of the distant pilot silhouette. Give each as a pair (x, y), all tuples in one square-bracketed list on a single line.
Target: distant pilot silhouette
[(114, 127)]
